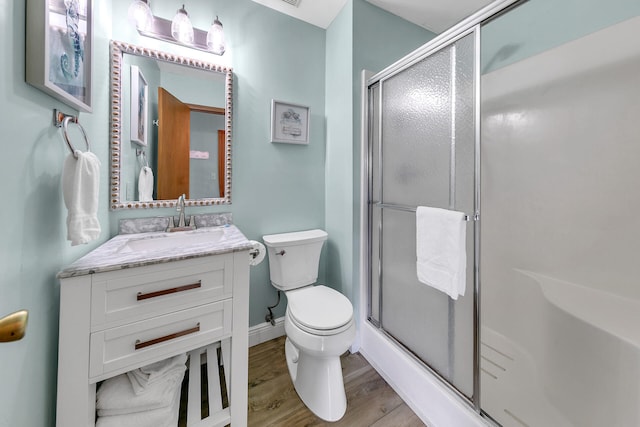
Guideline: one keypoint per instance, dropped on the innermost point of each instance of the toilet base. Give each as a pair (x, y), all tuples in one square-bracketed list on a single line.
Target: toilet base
[(318, 381)]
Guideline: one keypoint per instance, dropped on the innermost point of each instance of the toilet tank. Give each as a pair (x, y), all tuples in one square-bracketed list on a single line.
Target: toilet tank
[(294, 258)]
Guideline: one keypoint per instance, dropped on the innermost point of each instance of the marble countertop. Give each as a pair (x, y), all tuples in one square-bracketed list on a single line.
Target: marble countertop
[(115, 254)]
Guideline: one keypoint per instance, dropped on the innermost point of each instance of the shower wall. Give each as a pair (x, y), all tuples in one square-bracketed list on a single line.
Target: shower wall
[(560, 235)]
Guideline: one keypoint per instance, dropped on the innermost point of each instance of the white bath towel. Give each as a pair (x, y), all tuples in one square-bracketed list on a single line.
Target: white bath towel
[(142, 378), (145, 184), (116, 396), (441, 249), (162, 417), (80, 186)]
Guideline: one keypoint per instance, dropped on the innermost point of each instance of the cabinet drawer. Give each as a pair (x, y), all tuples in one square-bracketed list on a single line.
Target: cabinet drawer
[(140, 293), (117, 350)]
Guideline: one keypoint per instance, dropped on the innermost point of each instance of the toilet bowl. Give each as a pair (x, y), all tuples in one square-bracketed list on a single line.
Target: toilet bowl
[(319, 322)]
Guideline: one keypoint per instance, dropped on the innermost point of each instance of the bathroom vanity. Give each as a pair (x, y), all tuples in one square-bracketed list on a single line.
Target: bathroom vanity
[(141, 298)]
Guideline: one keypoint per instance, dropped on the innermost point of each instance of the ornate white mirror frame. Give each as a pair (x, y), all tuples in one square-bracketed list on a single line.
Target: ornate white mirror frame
[(117, 199)]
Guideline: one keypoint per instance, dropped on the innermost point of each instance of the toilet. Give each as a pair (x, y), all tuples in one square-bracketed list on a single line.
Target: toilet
[(319, 321)]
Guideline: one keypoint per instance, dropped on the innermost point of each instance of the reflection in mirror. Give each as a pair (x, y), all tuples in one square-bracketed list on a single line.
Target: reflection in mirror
[(170, 129)]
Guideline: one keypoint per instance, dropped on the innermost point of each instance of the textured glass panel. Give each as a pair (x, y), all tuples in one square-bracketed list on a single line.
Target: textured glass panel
[(374, 137), (464, 126), (413, 313), (374, 294), (374, 189), (416, 132), (428, 146)]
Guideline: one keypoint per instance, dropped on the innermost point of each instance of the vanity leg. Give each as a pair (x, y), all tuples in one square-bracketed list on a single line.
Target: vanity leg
[(225, 350), (76, 400), (240, 340)]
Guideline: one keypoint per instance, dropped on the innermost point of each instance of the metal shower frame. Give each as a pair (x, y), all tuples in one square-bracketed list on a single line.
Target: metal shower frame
[(471, 25)]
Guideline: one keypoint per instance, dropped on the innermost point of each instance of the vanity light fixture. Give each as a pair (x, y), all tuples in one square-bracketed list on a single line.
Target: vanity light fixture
[(215, 38), (140, 14), (179, 30)]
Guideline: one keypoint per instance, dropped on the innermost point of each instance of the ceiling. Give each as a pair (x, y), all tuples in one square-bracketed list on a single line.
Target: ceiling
[(434, 15)]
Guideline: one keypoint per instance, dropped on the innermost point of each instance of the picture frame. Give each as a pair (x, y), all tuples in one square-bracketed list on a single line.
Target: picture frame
[(59, 50), (139, 112), (289, 122)]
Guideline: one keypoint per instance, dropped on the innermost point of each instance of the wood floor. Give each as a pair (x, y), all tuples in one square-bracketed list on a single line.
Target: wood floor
[(273, 400)]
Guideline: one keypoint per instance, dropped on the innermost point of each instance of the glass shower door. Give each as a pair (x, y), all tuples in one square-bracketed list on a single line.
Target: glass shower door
[(423, 154)]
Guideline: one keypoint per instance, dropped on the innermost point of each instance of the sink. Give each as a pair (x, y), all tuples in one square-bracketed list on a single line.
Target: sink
[(165, 241)]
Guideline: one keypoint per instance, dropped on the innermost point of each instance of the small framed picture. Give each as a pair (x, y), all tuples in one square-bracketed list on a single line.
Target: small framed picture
[(59, 49), (289, 123), (139, 106)]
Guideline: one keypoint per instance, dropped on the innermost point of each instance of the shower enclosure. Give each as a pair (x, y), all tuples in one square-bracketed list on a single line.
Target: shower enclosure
[(535, 135), (428, 111)]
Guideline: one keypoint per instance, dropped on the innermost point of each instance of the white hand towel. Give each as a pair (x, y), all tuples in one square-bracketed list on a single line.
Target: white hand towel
[(441, 249), (163, 417), (145, 184), (142, 378), (80, 186), (116, 396)]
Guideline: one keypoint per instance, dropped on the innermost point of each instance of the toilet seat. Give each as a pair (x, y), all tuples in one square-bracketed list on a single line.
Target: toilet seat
[(319, 310)]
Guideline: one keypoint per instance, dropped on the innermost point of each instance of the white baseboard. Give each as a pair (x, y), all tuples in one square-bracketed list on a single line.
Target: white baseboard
[(264, 332)]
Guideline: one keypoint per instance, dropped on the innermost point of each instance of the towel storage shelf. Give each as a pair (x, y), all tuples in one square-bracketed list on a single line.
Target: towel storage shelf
[(209, 359), (197, 305)]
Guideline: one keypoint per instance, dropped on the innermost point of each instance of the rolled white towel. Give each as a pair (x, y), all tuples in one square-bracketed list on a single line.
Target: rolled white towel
[(145, 184), (80, 186), (441, 249), (162, 417), (148, 375), (116, 396)]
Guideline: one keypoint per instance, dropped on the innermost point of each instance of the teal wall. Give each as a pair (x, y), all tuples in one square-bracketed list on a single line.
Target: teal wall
[(505, 41), (361, 37), (131, 163), (338, 173), (33, 237), (276, 187), (203, 176), (379, 40)]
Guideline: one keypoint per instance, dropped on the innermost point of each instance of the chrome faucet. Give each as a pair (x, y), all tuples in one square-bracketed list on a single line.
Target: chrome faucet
[(182, 223), (180, 208)]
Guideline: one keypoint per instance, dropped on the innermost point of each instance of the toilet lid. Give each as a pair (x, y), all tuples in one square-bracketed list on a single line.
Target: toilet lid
[(319, 307)]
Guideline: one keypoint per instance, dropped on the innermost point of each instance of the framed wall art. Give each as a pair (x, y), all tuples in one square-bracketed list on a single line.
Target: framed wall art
[(59, 49), (139, 106), (289, 123)]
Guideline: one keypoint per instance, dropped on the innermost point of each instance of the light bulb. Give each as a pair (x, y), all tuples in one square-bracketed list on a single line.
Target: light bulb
[(140, 15), (215, 38), (181, 28)]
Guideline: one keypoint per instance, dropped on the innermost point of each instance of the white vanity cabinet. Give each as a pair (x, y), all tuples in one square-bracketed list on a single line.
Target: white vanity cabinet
[(118, 320)]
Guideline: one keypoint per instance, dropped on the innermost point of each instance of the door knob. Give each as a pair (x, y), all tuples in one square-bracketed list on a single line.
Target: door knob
[(13, 326)]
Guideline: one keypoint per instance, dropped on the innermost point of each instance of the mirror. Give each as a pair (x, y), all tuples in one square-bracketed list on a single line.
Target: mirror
[(170, 129)]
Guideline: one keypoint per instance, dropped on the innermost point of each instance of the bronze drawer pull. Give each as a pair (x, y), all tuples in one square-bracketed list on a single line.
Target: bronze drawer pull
[(142, 296), (144, 344)]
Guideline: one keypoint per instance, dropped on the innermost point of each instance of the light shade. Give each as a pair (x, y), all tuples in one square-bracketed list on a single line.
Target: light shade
[(181, 28), (215, 38), (140, 15)]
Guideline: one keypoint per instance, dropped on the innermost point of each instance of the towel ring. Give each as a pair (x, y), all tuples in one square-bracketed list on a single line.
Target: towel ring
[(142, 156), (62, 120)]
